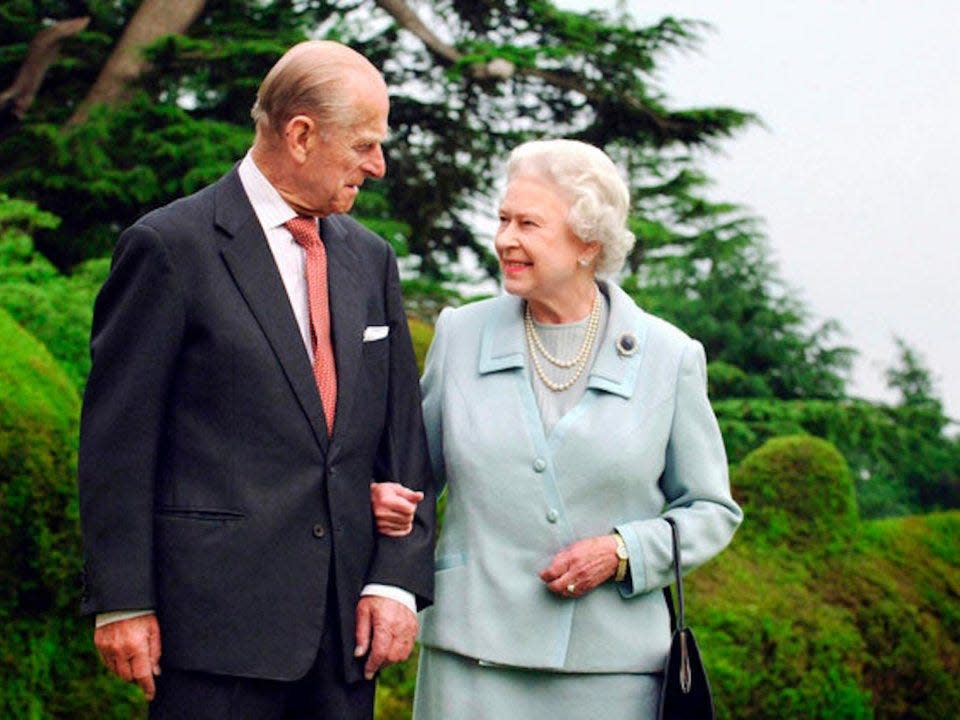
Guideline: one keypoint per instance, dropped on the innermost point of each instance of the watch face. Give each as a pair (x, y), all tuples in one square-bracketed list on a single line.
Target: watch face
[(622, 553)]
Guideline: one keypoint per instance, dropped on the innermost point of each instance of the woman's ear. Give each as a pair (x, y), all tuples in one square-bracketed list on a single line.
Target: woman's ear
[(590, 254)]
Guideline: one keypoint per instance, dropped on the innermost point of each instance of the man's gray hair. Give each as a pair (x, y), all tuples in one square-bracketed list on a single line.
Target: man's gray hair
[(308, 80)]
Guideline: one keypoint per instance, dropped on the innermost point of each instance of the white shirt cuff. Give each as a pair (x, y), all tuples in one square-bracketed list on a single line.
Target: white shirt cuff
[(394, 593), (117, 615)]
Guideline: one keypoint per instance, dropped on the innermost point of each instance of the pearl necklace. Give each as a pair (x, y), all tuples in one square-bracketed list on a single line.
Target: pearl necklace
[(579, 361)]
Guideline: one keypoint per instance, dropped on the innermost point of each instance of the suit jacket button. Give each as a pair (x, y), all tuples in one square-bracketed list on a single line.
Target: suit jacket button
[(318, 531)]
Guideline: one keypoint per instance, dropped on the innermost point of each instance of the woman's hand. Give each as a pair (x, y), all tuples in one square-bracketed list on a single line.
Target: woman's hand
[(394, 507), (580, 567)]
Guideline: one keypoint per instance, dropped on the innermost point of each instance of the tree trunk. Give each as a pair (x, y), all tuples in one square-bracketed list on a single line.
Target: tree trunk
[(153, 20)]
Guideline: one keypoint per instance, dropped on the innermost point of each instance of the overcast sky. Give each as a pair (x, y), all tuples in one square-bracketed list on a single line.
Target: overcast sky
[(857, 171)]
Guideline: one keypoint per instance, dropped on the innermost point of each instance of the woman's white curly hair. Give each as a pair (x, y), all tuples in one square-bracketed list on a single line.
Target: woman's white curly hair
[(588, 179)]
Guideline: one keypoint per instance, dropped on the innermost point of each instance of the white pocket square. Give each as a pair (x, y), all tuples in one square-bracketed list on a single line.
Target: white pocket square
[(375, 332)]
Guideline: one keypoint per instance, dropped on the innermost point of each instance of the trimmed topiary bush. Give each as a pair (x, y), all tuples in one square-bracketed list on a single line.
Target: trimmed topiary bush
[(796, 491)]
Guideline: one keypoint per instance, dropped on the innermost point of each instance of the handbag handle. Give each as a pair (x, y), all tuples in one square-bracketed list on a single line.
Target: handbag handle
[(678, 619)]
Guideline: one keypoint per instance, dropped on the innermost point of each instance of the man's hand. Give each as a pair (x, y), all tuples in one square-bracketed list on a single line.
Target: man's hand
[(131, 650), (385, 628), (394, 507)]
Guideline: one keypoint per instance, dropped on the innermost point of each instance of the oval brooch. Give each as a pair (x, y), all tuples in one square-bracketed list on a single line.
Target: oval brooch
[(627, 344)]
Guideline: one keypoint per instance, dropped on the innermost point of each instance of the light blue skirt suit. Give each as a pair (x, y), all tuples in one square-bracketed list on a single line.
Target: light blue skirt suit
[(641, 443)]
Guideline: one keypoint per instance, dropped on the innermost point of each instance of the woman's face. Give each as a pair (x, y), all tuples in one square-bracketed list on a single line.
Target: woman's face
[(538, 252)]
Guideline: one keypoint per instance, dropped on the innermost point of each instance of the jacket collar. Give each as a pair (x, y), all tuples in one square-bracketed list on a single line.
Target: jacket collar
[(503, 343)]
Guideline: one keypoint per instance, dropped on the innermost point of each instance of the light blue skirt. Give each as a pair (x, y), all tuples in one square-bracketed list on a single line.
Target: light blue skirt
[(454, 687)]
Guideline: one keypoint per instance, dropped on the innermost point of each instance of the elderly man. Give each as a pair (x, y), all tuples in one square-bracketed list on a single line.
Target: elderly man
[(252, 374)]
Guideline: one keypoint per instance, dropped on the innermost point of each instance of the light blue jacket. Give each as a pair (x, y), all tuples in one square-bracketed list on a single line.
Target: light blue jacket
[(642, 442)]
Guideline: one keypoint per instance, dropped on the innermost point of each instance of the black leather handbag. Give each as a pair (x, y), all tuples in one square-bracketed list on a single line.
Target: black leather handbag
[(685, 694)]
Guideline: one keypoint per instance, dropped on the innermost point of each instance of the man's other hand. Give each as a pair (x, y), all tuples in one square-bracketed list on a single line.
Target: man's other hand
[(131, 650), (386, 629)]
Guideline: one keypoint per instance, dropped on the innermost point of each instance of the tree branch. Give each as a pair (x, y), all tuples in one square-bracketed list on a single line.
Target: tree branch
[(501, 69), (43, 50)]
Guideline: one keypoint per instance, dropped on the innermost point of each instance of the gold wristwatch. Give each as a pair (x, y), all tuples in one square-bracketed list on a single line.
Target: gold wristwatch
[(623, 557)]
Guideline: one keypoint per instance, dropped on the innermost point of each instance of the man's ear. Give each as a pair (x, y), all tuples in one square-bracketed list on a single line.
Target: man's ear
[(299, 135)]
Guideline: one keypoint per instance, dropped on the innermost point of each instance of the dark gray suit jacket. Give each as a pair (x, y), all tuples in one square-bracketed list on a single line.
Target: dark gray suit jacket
[(209, 488)]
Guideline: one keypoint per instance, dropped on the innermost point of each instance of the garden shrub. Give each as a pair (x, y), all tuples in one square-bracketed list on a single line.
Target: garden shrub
[(812, 613), (48, 668), (54, 307), (796, 491)]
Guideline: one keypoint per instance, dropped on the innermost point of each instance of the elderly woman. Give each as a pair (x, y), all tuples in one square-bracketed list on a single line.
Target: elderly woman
[(565, 423)]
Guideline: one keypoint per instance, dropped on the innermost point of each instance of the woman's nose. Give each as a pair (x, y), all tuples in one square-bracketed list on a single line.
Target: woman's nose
[(505, 237)]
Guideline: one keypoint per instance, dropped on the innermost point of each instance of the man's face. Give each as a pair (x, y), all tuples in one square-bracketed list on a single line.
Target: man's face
[(343, 155)]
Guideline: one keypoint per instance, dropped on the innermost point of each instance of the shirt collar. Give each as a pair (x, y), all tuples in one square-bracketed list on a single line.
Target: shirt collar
[(271, 209)]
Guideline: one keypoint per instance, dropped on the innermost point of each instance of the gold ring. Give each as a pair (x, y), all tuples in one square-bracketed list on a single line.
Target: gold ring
[(571, 588)]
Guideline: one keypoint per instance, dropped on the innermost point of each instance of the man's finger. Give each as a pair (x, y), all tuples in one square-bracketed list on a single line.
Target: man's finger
[(362, 630), (379, 648), (141, 668), (154, 640)]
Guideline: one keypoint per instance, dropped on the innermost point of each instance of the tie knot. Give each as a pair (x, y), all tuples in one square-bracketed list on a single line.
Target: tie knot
[(304, 230)]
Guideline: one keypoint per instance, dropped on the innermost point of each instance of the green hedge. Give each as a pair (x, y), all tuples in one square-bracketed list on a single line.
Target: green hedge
[(57, 309), (813, 614), (48, 668)]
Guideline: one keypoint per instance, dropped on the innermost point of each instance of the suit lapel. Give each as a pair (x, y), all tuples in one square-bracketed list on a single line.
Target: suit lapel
[(347, 310), (251, 264)]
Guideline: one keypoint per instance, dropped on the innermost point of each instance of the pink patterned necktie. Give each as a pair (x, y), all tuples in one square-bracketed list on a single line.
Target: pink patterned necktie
[(304, 231)]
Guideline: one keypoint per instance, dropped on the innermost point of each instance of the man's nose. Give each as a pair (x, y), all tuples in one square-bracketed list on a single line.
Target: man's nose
[(376, 164)]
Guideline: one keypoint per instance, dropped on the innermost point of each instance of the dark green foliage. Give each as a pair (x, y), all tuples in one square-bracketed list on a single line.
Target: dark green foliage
[(56, 308), (150, 149), (725, 380), (578, 74), (102, 175), (47, 664)]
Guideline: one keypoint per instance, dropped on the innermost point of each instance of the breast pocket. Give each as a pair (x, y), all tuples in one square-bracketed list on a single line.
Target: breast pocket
[(374, 378)]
